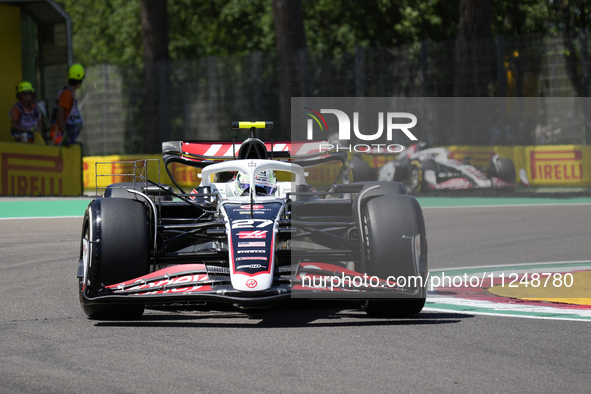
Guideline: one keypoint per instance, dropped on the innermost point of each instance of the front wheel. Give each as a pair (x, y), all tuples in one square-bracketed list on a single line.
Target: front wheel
[(395, 245), (114, 248), (414, 180), (422, 177)]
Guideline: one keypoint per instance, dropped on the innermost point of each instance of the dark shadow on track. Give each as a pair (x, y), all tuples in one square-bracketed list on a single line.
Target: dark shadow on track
[(286, 317)]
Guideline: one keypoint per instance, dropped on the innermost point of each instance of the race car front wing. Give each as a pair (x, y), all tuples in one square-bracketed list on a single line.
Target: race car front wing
[(199, 282)]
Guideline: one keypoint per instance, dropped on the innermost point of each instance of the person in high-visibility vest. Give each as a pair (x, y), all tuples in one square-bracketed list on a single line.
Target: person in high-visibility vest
[(25, 117), (66, 120)]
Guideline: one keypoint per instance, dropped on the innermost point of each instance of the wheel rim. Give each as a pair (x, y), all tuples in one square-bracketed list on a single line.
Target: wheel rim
[(86, 279), (367, 238), (414, 178)]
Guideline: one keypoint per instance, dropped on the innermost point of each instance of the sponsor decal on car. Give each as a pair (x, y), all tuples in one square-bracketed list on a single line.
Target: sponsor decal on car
[(252, 251), (454, 183), (254, 206), (251, 223), (251, 266), (252, 234), (251, 258), (247, 211), (251, 283), (474, 172), (229, 149), (254, 244), (171, 282)]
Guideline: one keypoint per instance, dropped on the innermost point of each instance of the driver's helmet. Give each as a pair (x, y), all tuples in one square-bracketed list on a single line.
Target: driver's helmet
[(265, 183), (416, 147), (422, 145)]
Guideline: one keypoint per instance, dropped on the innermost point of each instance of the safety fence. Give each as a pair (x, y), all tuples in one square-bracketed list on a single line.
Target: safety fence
[(205, 95)]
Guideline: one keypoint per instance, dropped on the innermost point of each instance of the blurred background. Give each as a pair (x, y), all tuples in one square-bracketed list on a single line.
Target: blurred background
[(185, 69)]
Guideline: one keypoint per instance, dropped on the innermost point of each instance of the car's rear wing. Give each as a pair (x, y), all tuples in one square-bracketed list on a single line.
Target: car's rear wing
[(202, 153)]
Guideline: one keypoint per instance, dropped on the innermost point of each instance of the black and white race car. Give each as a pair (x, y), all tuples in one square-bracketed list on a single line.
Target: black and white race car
[(423, 169), (252, 234)]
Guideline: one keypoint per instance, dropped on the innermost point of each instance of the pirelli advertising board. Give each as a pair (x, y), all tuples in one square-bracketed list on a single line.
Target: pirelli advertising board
[(560, 165), (29, 170), (545, 165)]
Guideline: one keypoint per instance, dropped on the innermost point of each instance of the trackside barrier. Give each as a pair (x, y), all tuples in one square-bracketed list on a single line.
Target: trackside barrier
[(560, 165), (33, 170), (119, 169), (114, 169), (545, 165)]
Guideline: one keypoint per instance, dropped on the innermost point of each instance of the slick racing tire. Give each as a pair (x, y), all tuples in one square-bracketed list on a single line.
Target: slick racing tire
[(117, 234), (502, 168), (389, 223)]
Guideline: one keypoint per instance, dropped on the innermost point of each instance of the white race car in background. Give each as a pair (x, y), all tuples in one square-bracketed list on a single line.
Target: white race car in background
[(422, 169)]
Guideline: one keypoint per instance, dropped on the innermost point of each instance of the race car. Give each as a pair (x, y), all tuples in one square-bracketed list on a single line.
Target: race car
[(252, 234), (422, 169)]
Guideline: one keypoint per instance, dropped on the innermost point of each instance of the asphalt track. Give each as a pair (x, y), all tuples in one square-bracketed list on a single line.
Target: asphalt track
[(48, 345)]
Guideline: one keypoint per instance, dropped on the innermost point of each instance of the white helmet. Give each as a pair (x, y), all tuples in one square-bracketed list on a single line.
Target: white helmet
[(265, 183)]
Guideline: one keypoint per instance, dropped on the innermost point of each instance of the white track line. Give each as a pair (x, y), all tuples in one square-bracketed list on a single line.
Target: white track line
[(511, 205)]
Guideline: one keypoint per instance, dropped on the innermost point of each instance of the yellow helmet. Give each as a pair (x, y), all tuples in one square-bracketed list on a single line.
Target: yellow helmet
[(25, 87), (76, 72)]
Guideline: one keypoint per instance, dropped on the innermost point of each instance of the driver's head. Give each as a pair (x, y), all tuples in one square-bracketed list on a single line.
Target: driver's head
[(265, 183), (422, 145)]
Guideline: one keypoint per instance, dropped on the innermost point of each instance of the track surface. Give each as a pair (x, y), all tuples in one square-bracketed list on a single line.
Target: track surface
[(48, 345)]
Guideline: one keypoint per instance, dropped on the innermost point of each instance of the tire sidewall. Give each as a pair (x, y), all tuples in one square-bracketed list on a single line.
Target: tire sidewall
[(388, 223)]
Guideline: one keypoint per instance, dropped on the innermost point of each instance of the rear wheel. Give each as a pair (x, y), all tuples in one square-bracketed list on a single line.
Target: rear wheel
[(391, 226), (421, 176), (502, 168), (116, 238)]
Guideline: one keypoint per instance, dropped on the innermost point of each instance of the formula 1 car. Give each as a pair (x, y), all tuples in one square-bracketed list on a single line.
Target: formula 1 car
[(423, 169), (253, 233)]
